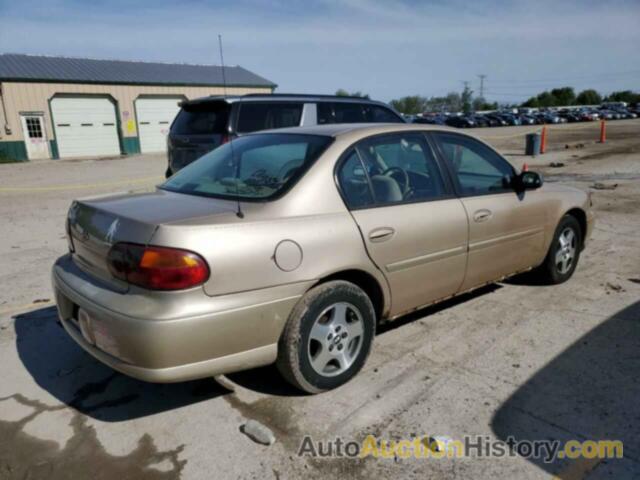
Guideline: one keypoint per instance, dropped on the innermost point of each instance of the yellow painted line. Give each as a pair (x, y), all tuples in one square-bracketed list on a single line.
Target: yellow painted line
[(81, 186), (26, 307)]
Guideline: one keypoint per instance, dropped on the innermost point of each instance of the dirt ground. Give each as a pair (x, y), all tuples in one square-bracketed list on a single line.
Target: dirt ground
[(511, 360)]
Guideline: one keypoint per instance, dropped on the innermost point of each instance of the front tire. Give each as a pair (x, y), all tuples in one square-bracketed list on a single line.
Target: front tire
[(564, 252), (327, 338)]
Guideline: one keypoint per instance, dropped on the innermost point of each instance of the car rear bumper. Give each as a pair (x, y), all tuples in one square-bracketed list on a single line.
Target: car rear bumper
[(143, 334)]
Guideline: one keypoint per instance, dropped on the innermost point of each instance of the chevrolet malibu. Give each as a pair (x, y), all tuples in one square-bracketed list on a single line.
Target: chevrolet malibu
[(291, 246)]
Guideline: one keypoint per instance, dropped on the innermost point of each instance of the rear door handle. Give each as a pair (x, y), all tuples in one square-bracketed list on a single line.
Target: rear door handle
[(381, 234), (482, 215)]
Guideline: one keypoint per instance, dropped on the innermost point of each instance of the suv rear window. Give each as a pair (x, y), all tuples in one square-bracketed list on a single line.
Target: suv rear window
[(201, 119), (353, 112), (267, 115)]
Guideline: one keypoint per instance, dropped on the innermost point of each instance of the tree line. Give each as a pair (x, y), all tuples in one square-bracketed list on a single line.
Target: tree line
[(565, 96), (466, 102), (452, 102)]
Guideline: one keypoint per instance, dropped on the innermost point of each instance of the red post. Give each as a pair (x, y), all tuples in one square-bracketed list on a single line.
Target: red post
[(603, 131), (543, 140)]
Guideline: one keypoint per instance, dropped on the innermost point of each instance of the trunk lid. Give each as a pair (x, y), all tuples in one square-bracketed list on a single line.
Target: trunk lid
[(96, 224)]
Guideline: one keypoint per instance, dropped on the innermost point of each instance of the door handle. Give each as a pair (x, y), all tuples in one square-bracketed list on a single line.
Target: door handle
[(482, 215), (381, 234)]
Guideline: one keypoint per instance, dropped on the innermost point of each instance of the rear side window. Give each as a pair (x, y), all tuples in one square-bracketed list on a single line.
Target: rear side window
[(378, 114), (354, 182), (348, 112), (201, 119), (267, 115), (340, 112)]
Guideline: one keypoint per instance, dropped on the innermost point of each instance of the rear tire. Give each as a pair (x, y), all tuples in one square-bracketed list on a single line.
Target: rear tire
[(327, 338), (168, 173), (564, 252)]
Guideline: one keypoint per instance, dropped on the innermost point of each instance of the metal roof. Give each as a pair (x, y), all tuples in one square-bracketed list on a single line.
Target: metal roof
[(31, 68)]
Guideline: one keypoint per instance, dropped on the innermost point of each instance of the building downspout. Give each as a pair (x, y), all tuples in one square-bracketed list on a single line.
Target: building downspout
[(6, 127)]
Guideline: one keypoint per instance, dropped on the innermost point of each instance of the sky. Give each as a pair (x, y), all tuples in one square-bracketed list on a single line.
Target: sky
[(387, 49)]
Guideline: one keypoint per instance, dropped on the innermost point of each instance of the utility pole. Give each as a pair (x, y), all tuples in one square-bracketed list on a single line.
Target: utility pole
[(482, 77)]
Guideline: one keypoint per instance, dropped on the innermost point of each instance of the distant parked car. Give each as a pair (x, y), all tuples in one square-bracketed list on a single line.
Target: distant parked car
[(430, 119), (570, 115), (480, 120), (625, 113), (460, 121), (500, 122), (606, 114), (206, 123), (548, 118), (585, 115), (527, 120), (511, 119), (491, 121)]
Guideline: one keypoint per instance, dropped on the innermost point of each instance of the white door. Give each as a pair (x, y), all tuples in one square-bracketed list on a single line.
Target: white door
[(154, 119), (85, 126), (35, 136)]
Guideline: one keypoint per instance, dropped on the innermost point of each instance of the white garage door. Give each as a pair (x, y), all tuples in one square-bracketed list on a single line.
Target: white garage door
[(154, 119), (85, 126)]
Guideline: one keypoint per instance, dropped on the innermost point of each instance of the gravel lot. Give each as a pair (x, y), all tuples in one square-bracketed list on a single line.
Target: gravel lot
[(513, 359)]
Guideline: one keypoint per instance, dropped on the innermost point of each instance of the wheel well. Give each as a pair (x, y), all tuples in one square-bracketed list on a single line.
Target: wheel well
[(366, 282), (581, 217)]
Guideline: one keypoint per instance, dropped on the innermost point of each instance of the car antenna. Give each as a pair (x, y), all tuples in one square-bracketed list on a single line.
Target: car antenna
[(239, 213)]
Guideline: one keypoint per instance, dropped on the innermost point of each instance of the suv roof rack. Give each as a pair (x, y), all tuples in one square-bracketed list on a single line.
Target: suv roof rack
[(305, 95)]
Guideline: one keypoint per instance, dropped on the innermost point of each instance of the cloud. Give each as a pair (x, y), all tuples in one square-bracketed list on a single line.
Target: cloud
[(387, 49)]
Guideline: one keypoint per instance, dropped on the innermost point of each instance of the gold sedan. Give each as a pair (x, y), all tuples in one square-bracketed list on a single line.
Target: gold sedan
[(290, 246)]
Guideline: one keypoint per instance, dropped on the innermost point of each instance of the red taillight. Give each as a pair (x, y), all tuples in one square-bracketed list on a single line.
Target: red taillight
[(157, 268)]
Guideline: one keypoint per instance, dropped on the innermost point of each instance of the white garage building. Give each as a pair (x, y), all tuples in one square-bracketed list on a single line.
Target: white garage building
[(57, 107)]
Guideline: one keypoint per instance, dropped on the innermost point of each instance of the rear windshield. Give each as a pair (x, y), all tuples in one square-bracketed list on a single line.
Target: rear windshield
[(267, 115), (202, 119), (257, 166)]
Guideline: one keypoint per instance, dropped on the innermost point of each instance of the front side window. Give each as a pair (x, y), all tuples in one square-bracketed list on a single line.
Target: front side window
[(267, 115), (399, 168), (253, 167), (477, 169)]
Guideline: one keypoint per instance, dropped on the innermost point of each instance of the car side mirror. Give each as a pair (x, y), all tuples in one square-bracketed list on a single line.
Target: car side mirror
[(528, 181)]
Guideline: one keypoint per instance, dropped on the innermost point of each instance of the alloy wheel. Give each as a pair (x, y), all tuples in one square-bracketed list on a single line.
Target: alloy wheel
[(335, 339), (566, 250)]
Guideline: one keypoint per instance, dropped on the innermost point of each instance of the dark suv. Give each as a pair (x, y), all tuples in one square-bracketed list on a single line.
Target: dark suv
[(205, 123)]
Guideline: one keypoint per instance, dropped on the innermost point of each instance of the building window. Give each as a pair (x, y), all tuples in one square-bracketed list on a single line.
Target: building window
[(34, 127)]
